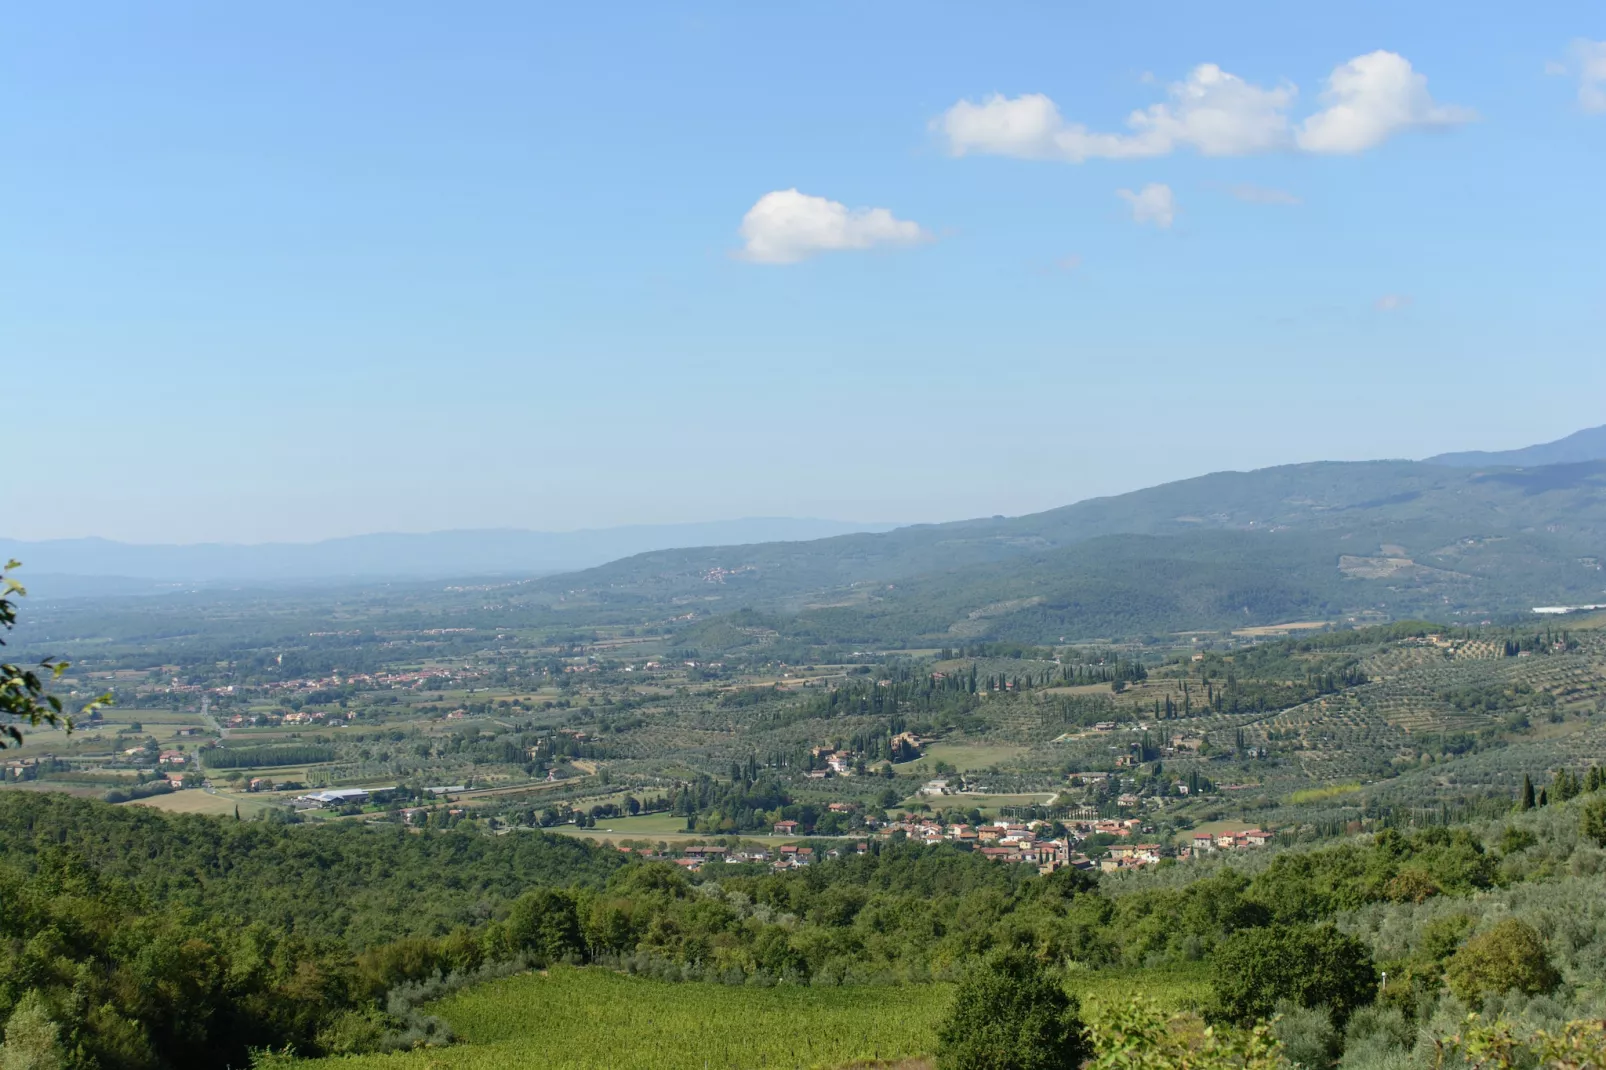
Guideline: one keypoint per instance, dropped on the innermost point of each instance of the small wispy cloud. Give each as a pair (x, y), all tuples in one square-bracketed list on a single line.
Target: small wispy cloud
[(1154, 203), (1263, 195), (786, 226), (1391, 302), (1588, 59)]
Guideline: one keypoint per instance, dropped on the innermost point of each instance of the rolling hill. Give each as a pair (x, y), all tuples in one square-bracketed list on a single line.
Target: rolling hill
[(1387, 538)]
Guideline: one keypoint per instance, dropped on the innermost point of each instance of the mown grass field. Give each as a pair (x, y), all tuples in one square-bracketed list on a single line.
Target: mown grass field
[(963, 756), (592, 1019), (200, 802)]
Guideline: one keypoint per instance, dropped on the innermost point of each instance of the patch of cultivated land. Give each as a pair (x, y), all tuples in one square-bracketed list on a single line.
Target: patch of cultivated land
[(593, 1019), (963, 756), (201, 802)]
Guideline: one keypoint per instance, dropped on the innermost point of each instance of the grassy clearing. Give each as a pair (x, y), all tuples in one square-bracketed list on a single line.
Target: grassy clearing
[(1324, 794), (987, 804), (200, 802), (963, 756)]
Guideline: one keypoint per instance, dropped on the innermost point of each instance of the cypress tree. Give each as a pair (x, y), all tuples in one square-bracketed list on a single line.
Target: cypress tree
[(1527, 802)]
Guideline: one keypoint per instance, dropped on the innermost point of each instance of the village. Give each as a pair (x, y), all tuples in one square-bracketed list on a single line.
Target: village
[(1032, 843)]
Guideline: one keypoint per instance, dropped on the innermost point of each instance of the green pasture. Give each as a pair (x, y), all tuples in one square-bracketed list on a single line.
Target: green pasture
[(963, 756)]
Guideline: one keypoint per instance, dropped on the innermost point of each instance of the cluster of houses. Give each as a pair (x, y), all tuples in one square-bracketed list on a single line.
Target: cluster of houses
[(787, 856), (836, 763), (22, 769), (412, 679), (291, 717), (1027, 842), (1000, 841), (1228, 840)]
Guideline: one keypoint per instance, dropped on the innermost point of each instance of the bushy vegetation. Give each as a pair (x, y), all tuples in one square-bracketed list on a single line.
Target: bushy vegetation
[(1009, 1013), (208, 936), (254, 757)]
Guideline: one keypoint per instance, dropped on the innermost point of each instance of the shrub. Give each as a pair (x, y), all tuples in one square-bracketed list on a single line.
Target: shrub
[(1411, 886), (1594, 820), (1311, 966), (1010, 1014), (1307, 1035), (1513, 839), (32, 1038), (1509, 956)]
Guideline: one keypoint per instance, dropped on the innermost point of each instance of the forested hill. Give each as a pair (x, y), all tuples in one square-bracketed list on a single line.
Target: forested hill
[(360, 885), (1343, 535)]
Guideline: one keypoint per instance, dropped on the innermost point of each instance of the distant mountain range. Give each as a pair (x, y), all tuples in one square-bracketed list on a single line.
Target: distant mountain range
[(1587, 445), (62, 566), (1476, 531), (1323, 541)]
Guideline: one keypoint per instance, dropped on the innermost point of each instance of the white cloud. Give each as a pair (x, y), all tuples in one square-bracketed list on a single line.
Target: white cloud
[(1213, 112), (1153, 203), (1391, 302), (786, 226), (1371, 98), (1589, 59), (1263, 194)]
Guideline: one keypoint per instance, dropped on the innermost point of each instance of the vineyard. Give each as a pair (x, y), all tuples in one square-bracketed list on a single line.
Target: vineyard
[(589, 1019)]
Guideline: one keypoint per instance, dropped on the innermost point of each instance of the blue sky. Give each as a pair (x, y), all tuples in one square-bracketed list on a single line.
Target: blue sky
[(303, 270)]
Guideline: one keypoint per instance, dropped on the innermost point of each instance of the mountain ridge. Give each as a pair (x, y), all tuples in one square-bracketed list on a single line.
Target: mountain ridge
[(1586, 445), (1377, 538), (459, 552)]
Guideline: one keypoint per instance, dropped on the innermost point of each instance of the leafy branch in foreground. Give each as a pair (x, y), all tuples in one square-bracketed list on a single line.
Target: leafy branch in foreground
[(1581, 1045), (1138, 1035), (24, 694)]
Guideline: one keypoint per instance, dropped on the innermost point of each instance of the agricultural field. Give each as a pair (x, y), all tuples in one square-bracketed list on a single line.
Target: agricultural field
[(203, 802), (591, 1019), (966, 757)]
